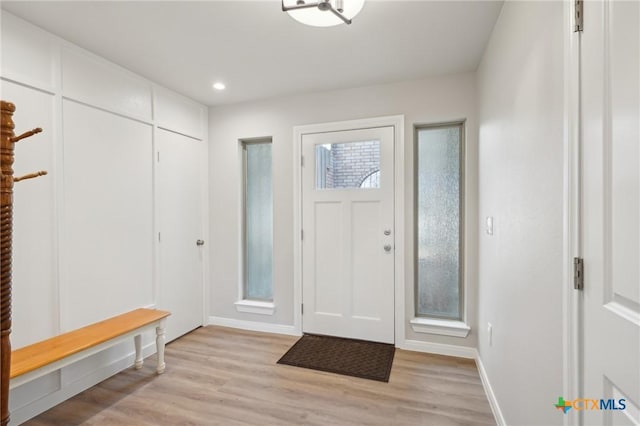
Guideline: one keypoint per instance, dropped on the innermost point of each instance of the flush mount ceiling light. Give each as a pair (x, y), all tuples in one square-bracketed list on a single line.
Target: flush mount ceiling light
[(219, 86), (322, 13)]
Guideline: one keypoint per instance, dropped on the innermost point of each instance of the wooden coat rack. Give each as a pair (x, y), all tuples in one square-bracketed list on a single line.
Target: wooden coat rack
[(7, 145)]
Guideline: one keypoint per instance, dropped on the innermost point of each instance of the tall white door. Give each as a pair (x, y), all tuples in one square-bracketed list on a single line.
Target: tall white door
[(610, 143), (348, 234), (180, 225)]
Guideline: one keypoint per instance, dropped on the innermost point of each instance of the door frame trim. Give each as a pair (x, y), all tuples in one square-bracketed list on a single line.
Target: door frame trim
[(572, 211), (397, 122)]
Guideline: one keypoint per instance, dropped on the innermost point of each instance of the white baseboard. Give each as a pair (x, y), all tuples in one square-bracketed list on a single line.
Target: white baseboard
[(493, 401), (41, 405), (438, 348), (255, 326)]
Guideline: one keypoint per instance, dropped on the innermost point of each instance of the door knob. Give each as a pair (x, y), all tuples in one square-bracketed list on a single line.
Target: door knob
[(200, 242), (387, 232), (387, 248)]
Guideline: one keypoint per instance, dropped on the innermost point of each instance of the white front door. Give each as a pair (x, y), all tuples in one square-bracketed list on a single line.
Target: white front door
[(348, 234), (610, 143), (180, 221)]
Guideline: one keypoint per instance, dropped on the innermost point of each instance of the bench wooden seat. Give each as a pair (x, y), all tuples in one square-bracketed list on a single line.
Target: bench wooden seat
[(44, 357)]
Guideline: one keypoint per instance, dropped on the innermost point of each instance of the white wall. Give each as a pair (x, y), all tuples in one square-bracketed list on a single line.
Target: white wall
[(85, 235), (433, 100), (519, 182), (520, 91)]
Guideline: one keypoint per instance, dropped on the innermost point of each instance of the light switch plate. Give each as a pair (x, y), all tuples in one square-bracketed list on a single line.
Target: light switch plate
[(490, 333), (490, 225)]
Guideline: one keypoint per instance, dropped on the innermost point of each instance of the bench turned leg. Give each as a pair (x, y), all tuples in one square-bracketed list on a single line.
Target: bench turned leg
[(138, 342), (160, 347)]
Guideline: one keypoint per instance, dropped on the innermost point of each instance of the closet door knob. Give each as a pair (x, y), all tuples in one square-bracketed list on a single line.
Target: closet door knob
[(200, 242)]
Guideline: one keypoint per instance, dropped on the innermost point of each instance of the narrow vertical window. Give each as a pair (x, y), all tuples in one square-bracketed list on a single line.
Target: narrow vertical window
[(439, 218), (258, 221)]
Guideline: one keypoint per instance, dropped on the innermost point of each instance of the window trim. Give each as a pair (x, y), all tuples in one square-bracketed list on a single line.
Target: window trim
[(434, 324), (245, 303), (251, 306), (453, 328)]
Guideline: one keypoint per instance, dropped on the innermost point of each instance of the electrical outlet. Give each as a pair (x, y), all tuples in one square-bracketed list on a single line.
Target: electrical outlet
[(490, 333)]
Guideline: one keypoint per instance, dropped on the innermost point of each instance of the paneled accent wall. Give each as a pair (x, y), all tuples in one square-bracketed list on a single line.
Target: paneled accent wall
[(107, 201), (86, 235)]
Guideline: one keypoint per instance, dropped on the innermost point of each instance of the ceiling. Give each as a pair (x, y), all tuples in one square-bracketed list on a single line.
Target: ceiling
[(260, 52)]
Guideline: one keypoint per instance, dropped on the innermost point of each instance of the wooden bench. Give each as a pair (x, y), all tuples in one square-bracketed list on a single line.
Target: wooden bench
[(41, 358)]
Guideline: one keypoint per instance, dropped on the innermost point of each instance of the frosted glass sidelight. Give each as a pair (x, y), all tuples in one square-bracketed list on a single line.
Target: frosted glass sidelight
[(348, 165), (258, 222), (438, 222)]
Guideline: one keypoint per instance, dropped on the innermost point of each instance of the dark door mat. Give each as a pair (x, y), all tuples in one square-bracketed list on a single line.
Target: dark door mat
[(358, 358)]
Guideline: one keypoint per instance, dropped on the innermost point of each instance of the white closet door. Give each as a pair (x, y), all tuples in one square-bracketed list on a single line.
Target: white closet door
[(610, 95), (179, 203)]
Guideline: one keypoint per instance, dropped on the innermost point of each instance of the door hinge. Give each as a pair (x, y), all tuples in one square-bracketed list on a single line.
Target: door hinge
[(159, 239), (579, 16), (301, 161), (302, 234), (302, 308), (578, 273), (158, 156)]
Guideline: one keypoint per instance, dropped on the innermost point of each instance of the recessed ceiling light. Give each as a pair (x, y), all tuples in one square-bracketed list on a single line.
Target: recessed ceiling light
[(219, 86)]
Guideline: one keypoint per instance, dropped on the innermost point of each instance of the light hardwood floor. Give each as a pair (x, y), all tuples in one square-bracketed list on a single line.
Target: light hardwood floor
[(223, 376)]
